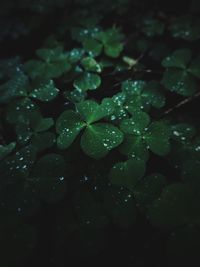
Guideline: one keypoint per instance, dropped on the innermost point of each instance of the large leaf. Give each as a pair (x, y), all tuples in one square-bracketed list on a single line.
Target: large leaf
[(179, 81), (157, 138), (128, 173), (99, 138), (68, 126), (179, 59)]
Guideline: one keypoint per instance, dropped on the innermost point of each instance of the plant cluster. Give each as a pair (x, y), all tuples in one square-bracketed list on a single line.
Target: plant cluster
[(91, 135)]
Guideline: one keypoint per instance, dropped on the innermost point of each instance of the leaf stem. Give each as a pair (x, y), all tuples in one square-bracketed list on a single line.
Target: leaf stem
[(182, 103)]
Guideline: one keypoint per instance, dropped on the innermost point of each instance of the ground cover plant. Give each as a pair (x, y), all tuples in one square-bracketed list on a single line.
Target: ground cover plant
[(99, 133)]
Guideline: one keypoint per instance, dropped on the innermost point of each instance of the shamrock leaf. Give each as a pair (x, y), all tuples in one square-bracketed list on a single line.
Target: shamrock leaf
[(112, 42), (147, 134), (46, 91), (142, 95), (92, 46), (20, 110), (15, 87), (53, 64), (68, 126), (87, 81), (90, 64), (98, 138), (33, 127), (128, 173), (180, 76), (179, 59), (157, 138)]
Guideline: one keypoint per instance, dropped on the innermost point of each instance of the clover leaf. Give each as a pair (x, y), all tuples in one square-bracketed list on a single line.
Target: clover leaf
[(142, 95), (15, 87), (112, 42), (52, 64), (155, 136), (46, 91), (87, 81), (90, 64), (180, 76), (127, 174), (98, 138), (92, 46)]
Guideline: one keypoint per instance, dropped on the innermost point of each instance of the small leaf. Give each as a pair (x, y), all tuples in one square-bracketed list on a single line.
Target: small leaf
[(92, 46), (90, 64), (91, 111), (46, 91), (87, 81), (135, 125)]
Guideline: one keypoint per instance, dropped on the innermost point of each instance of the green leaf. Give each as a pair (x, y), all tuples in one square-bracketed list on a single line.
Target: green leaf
[(87, 81), (128, 173), (134, 147), (179, 59), (14, 88), (157, 138), (34, 68), (99, 138), (135, 125), (68, 126), (6, 149), (91, 111), (90, 64), (179, 81), (92, 46), (48, 55), (45, 92), (20, 111)]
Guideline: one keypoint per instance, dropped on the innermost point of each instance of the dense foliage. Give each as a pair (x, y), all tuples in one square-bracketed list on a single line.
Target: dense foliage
[(99, 133)]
